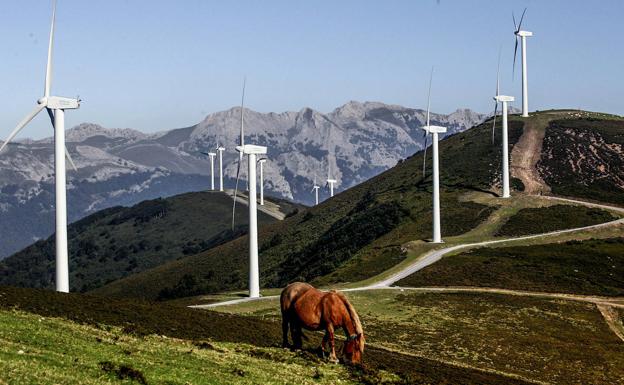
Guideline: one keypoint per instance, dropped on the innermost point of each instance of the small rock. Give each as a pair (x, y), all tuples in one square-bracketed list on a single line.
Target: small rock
[(20, 352)]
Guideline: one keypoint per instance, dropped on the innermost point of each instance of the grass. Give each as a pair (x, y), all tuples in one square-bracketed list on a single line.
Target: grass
[(593, 267), (546, 219), (553, 341), (41, 350), (121, 241), (136, 322)]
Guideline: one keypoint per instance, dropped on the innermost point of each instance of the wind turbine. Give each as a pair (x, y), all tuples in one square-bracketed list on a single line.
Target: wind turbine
[(56, 106), (220, 150), (262, 161), (212, 176), (504, 100), (522, 35), (434, 131), (252, 151), (315, 189), (330, 181)]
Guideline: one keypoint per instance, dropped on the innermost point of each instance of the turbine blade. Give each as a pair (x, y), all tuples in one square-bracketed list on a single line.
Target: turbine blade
[(513, 16), (494, 123), (429, 95), (242, 120), (22, 123), (498, 70), (513, 73), (235, 192), (521, 18), (425, 156), (69, 158), (48, 75)]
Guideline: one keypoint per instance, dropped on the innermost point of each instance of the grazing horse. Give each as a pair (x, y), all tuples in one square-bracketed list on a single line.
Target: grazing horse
[(304, 306)]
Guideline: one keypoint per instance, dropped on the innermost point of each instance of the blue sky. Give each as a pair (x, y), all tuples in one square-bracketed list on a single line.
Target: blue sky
[(154, 65)]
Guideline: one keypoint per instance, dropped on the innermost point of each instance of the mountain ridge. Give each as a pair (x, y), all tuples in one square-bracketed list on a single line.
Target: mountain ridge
[(123, 166)]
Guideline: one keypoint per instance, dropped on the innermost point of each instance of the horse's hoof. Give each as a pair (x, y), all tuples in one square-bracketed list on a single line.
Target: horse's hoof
[(333, 360)]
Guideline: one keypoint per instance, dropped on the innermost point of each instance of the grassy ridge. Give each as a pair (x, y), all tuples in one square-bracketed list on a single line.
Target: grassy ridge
[(593, 267), (548, 340), (39, 350), (131, 319), (120, 241), (363, 226), (546, 219)]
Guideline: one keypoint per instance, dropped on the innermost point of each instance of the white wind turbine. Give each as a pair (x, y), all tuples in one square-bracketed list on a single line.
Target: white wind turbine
[(212, 174), (262, 161), (504, 100), (252, 151), (522, 35), (315, 189), (434, 131), (56, 107), (330, 181), (220, 150)]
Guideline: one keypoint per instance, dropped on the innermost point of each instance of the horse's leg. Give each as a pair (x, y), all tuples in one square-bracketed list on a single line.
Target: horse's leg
[(284, 330), (332, 345), (324, 342), (295, 333)]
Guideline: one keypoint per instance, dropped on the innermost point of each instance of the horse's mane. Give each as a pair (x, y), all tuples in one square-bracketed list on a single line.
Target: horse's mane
[(355, 318)]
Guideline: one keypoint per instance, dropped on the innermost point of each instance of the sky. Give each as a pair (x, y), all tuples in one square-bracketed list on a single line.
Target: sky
[(153, 65)]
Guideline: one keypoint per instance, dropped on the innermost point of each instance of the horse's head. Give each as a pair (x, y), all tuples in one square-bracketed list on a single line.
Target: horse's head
[(353, 348)]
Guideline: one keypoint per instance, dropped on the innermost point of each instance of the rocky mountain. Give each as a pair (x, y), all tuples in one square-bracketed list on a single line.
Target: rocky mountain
[(125, 166)]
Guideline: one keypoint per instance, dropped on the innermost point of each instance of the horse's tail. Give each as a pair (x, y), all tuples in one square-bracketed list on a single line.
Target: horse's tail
[(355, 318)]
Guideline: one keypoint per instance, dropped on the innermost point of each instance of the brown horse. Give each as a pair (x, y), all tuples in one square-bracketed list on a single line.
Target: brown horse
[(304, 306)]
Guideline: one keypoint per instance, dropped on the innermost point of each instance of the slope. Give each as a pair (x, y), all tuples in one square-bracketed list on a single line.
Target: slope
[(375, 218), (120, 241)]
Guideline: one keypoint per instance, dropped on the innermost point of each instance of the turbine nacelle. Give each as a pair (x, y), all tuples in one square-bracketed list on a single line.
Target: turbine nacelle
[(332, 181), (59, 103), (252, 149), (504, 98), (523, 33), (434, 129)]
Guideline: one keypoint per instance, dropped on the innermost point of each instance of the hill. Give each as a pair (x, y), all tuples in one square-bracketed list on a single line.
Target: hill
[(52, 338), (363, 231), (367, 223), (125, 166), (120, 241), (590, 267)]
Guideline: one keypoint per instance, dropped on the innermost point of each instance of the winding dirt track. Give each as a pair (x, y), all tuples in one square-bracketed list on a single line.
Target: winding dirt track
[(524, 157)]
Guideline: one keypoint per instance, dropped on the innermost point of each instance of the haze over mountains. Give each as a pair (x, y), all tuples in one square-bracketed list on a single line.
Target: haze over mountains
[(125, 166)]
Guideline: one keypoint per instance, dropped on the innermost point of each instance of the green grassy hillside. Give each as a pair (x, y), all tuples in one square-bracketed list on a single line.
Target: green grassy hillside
[(593, 267), (543, 340), (546, 219), (52, 338), (120, 241), (364, 225)]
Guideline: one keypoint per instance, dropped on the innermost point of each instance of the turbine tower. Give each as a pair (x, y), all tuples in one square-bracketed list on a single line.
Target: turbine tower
[(504, 100), (330, 181), (56, 106), (523, 37), (434, 131), (212, 175), (220, 150), (315, 189), (262, 161), (252, 151)]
